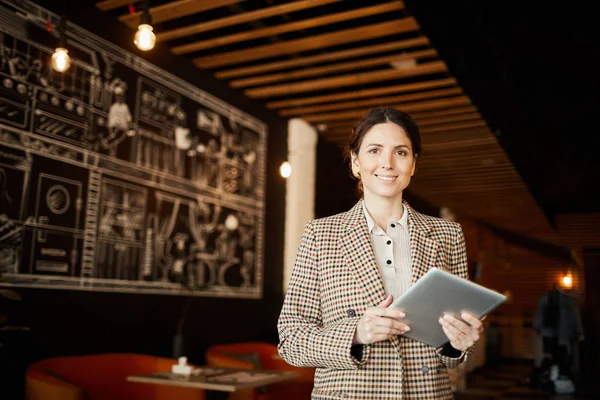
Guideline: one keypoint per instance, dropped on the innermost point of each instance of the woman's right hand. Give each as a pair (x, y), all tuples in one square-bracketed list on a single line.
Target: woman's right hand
[(380, 323)]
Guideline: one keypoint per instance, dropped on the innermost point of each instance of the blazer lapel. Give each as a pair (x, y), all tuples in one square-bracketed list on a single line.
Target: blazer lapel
[(423, 249), (356, 244)]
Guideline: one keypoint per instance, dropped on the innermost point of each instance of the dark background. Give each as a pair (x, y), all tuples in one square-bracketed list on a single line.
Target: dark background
[(531, 67)]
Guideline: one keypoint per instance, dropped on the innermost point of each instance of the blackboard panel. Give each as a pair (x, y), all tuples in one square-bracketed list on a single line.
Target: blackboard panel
[(118, 176)]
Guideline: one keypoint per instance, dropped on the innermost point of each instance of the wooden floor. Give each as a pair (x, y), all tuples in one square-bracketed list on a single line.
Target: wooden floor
[(506, 381)]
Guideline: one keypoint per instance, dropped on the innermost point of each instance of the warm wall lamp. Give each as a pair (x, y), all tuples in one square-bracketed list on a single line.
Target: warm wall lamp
[(60, 59), (144, 38), (285, 169), (566, 281)]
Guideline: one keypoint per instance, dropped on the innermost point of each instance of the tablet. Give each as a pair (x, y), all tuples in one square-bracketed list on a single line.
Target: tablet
[(437, 293)]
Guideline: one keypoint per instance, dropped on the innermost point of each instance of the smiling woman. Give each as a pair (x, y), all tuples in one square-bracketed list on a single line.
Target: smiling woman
[(350, 267)]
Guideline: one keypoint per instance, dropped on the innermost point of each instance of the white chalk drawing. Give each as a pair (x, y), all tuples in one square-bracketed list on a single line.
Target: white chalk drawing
[(118, 176)]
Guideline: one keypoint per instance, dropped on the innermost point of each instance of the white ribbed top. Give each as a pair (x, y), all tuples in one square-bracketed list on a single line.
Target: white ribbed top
[(392, 253)]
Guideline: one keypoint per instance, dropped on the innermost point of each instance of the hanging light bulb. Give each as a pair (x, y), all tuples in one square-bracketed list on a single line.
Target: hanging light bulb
[(60, 59), (144, 38)]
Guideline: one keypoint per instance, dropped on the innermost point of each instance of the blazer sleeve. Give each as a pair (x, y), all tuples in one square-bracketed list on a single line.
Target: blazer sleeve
[(303, 339), (458, 266)]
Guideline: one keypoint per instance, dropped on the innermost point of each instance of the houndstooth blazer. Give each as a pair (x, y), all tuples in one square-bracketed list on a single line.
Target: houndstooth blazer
[(335, 279)]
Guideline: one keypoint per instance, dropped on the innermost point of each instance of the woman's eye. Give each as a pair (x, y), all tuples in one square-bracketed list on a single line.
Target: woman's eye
[(373, 151), (402, 153)]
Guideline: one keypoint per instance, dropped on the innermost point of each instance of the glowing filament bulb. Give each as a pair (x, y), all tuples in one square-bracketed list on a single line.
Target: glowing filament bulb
[(61, 60), (144, 38)]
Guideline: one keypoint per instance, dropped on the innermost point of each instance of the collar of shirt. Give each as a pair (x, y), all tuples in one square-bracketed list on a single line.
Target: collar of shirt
[(375, 229)]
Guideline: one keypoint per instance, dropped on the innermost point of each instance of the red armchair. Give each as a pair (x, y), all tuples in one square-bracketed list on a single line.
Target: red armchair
[(255, 355), (101, 377)]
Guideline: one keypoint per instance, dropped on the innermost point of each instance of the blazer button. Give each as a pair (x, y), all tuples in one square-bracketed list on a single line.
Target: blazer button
[(351, 313), (425, 370)]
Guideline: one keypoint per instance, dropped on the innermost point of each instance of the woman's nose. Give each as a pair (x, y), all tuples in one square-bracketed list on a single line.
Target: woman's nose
[(386, 162)]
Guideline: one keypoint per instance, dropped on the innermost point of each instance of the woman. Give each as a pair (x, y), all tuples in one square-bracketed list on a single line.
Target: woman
[(349, 268)]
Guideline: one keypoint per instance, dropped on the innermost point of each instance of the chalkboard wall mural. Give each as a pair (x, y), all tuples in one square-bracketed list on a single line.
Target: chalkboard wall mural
[(118, 176)]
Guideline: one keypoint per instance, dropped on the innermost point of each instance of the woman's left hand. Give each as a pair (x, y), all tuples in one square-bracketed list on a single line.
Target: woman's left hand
[(462, 334)]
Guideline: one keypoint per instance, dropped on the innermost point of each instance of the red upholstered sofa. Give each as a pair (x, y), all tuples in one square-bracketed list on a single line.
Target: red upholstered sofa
[(101, 377)]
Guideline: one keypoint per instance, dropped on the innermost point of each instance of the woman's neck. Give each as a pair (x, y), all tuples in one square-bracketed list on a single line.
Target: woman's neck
[(384, 210)]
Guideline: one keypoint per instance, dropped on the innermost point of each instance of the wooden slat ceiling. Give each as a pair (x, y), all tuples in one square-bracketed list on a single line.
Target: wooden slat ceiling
[(329, 62), (579, 231)]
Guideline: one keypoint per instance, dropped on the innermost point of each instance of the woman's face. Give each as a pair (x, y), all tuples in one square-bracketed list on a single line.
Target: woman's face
[(385, 161)]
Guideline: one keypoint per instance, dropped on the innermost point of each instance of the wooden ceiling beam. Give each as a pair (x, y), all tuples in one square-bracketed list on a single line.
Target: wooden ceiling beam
[(409, 87), (289, 27), (454, 126), (174, 10), (476, 161), (436, 191), (448, 172), (461, 143), (349, 122), (456, 134), (107, 5), (579, 230), (451, 118), (240, 19), (379, 101), (411, 107), (346, 80), (323, 58), (480, 172), (309, 43), (469, 179), (341, 67), (492, 151), (438, 113)]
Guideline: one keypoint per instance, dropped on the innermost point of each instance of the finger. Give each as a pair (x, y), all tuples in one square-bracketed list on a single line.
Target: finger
[(457, 323), (458, 340), (454, 341), (390, 323), (450, 335), (455, 333), (471, 320), (384, 312), (385, 330), (372, 337), (461, 331), (387, 302)]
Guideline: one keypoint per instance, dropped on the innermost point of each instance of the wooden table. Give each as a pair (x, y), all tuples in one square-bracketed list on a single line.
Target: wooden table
[(216, 381)]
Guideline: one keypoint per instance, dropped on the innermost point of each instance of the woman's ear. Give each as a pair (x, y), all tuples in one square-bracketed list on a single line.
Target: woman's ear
[(354, 166), (414, 166)]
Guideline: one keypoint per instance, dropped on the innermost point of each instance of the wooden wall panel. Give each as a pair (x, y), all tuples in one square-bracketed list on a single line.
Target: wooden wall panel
[(524, 273)]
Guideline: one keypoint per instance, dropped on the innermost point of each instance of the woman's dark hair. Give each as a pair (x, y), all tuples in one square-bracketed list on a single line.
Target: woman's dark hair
[(381, 116)]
